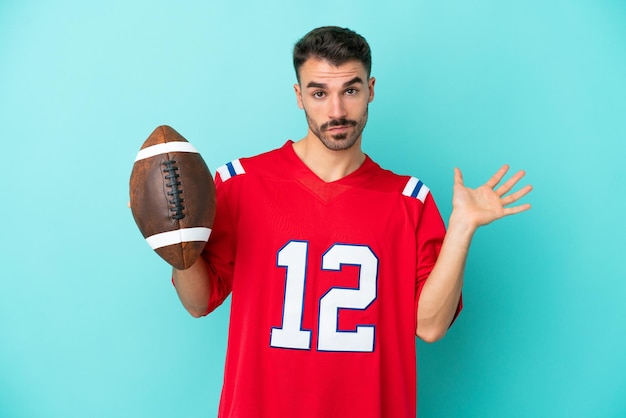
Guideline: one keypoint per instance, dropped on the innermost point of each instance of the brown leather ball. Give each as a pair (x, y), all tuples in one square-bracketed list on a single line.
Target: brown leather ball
[(172, 197)]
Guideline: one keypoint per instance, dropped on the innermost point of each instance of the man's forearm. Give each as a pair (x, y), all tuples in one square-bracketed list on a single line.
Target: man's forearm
[(441, 293), (193, 287)]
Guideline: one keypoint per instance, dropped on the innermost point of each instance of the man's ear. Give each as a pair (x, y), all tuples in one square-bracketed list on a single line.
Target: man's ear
[(296, 88), (370, 84)]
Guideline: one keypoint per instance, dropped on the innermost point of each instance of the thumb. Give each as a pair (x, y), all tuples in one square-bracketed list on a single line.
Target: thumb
[(458, 177)]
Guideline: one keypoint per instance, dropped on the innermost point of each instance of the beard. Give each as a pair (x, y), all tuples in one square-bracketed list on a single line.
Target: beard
[(341, 141)]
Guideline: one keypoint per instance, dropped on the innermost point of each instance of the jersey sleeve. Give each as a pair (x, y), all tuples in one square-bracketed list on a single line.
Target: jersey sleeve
[(219, 252), (430, 233)]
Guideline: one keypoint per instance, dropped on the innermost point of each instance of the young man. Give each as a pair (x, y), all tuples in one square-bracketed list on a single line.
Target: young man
[(334, 264)]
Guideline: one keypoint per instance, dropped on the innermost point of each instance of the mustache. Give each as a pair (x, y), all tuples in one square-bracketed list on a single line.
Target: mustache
[(337, 122)]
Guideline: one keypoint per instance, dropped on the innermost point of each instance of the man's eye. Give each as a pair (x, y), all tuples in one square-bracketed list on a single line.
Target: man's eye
[(318, 94), (351, 91)]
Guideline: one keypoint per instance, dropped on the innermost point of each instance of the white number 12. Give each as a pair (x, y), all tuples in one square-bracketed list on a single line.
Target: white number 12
[(294, 257)]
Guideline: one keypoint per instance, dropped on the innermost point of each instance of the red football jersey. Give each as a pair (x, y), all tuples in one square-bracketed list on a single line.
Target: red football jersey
[(325, 279)]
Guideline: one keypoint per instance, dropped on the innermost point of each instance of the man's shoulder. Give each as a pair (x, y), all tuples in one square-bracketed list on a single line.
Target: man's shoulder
[(389, 181), (257, 164)]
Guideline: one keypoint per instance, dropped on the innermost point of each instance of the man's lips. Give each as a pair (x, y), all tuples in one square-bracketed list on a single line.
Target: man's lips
[(338, 128)]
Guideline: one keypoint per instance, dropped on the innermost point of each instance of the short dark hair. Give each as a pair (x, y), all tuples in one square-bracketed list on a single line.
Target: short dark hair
[(333, 44)]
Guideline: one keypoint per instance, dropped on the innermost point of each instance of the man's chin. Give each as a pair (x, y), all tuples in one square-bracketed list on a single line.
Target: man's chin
[(339, 144)]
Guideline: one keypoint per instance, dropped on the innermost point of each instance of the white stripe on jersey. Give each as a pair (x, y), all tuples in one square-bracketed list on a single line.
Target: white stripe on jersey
[(176, 237), (415, 188), (175, 146), (231, 169)]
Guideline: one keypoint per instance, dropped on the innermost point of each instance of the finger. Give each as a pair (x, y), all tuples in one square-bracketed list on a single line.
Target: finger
[(458, 177), (514, 197), (516, 209), (510, 183), (497, 177)]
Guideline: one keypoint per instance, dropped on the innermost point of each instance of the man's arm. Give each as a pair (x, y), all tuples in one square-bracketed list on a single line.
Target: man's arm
[(471, 208), (194, 288)]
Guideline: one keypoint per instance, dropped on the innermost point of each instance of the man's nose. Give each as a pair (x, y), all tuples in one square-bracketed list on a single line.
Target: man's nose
[(337, 108)]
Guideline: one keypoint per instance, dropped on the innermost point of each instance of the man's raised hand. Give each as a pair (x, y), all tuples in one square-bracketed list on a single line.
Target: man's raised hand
[(489, 202)]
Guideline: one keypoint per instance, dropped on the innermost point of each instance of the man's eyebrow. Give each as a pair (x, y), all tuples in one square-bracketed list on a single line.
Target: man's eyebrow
[(316, 85), (355, 80)]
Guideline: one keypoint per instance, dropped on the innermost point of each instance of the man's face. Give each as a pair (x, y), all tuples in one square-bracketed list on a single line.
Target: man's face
[(335, 101)]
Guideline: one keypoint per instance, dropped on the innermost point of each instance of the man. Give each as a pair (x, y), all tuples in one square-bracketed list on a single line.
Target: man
[(334, 264)]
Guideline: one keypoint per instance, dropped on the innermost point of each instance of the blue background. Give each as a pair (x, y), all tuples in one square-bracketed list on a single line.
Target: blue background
[(90, 325)]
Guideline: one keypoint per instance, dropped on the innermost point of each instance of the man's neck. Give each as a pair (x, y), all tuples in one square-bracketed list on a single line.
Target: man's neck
[(327, 164)]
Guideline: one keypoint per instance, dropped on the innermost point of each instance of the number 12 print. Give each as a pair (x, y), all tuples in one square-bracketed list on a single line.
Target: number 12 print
[(294, 257)]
